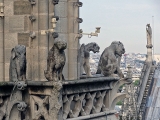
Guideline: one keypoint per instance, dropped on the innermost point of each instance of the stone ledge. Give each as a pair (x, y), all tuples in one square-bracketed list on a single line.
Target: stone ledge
[(88, 85), (66, 82), (90, 80)]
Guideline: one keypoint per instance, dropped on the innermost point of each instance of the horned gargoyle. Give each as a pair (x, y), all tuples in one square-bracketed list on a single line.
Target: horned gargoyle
[(56, 61), (84, 56), (18, 63), (108, 63)]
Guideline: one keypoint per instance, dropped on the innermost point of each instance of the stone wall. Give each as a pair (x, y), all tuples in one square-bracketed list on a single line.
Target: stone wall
[(18, 27)]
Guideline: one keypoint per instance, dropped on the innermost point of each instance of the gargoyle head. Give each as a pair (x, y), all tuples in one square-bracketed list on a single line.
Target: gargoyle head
[(119, 48), (60, 44), (95, 47)]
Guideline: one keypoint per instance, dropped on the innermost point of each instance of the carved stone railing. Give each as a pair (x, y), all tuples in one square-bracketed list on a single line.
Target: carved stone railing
[(71, 100), (90, 98)]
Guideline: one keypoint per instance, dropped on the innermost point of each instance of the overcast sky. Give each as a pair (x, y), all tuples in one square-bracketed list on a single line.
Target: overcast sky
[(121, 20)]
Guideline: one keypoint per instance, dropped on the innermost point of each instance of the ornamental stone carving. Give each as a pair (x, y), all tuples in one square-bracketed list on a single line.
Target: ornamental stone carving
[(108, 63), (3, 104), (85, 55), (21, 106), (21, 85), (39, 107), (18, 63), (149, 35), (56, 102), (56, 61)]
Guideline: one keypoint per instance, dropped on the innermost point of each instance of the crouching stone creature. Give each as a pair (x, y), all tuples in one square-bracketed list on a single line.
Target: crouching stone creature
[(56, 61), (109, 63), (85, 55), (18, 63)]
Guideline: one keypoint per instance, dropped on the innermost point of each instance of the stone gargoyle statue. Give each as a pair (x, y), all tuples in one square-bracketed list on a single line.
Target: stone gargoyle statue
[(17, 70), (109, 63), (85, 55), (56, 61)]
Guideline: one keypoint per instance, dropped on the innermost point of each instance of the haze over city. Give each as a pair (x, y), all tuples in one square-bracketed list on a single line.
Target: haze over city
[(123, 21)]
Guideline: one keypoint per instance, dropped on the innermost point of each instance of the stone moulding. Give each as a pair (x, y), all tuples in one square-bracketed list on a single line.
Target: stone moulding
[(87, 85)]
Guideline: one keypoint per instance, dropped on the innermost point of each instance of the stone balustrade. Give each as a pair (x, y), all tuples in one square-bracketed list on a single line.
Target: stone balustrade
[(85, 97), (68, 100)]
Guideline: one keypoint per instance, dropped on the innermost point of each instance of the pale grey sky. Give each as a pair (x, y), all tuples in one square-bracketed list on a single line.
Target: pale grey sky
[(122, 20)]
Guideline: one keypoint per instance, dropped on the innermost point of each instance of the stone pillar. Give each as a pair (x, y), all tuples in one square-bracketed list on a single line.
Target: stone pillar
[(1, 46), (51, 14), (67, 28), (149, 43), (43, 38), (34, 61), (12, 25), (62, 28), (73, 42)]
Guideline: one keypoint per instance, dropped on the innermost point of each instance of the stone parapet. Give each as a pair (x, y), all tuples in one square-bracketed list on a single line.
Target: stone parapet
[(72, 100)]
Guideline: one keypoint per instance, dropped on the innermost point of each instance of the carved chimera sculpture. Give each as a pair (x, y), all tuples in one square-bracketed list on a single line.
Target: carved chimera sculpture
[(85, 55), (56, 61), (108, 64), (18, 63)]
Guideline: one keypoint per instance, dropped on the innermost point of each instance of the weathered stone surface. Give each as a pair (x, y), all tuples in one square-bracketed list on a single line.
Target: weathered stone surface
[(16, 23), (6, 71), (108, 63), (35, 68), (18, 61), (75, 44), (8, 9), (41, 107), (22, 7), (43, 22), (10, 40), (26, 23), (56, 61), (23, 39), (6, 24), (43, 54), (61, 9), (62, 25), (88, 95), (84, 56), (7, 55), (149, 35), (87, 87), (42, 6)]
